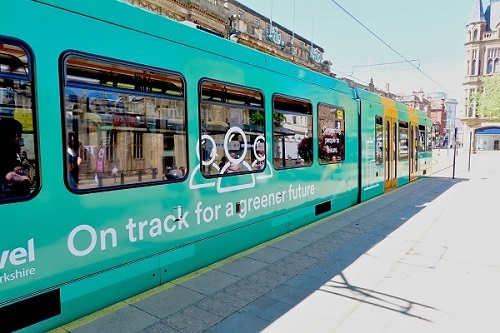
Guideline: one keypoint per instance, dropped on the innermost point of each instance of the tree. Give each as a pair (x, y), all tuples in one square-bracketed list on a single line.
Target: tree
[(257, 118), (305, 149), (278, 119), (488, 102)]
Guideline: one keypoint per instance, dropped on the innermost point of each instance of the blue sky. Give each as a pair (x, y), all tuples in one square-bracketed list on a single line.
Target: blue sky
[(432, 31)]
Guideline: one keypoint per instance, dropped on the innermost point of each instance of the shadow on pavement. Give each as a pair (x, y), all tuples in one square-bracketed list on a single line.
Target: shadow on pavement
[(329, 247)]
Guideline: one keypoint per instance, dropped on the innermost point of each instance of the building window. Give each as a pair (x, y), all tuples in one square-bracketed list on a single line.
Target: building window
[(111, 143), (256, 22), (489, 68), (138, 146), (292, 145), (473, 68), (475, 34), (251, 30)]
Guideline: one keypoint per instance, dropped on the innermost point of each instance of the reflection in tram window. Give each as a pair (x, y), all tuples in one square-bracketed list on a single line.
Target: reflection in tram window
[(430, 138), (129, 122), (379, 141), (421, 138), (18, 155), (403, 141), (232, 122), (331, 136), (292, 132)]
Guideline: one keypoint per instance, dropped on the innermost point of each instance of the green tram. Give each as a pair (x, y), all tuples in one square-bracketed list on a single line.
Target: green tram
[(135, 149)]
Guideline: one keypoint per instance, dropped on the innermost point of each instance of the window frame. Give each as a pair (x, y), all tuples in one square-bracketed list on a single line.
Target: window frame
[(403, 155), (307, 111), (340, 141), (379, 129), (159, 176), (236, 100), (422, 138), (29, 77)]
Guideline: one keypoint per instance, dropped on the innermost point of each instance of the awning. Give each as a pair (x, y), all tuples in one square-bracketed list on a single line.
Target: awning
[(488, 130)]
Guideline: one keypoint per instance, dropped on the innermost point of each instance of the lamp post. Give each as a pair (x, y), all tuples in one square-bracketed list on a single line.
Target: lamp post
[(454, 151)]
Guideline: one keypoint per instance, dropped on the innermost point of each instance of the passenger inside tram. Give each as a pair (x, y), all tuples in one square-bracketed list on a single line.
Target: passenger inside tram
[(14, 180)]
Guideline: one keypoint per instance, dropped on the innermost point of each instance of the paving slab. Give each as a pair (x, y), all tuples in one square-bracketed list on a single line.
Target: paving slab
[(421, 258)]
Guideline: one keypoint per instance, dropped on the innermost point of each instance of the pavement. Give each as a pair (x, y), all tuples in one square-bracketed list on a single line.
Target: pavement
[(421, 258)]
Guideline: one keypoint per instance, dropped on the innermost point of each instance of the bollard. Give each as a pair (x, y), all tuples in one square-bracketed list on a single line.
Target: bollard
[(122, 178)]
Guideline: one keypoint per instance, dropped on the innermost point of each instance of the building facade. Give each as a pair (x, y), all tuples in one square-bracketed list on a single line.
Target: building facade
[(482, 49), (233, 20), (252, 29), (210, 14)]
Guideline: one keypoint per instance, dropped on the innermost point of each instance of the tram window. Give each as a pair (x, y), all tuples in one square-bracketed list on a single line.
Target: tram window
[(125, 124), (18, 155), (232, 122), (292, 132), (421, 138), (430, 138), (403, 141), (331, 134), (379, 140)]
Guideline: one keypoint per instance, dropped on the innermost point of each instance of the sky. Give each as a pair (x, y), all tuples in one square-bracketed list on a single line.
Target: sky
[(430, 32)]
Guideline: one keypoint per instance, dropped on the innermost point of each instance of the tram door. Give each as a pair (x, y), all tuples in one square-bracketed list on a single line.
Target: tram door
[(390, 152)]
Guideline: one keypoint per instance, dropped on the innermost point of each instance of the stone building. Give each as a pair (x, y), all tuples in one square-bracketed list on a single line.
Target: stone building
[(252, 29), (416, 100), (482, 49), (210, 14), (239, 23), (233, 20)]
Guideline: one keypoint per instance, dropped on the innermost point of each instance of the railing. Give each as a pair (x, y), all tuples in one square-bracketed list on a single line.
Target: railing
[(470, 79)]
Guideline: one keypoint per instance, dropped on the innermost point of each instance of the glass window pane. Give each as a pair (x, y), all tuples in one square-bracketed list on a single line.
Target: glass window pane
[(331, 134), (292, 132), (124, 124), (430, 138), (232, 122), (421, 138), (379, 141), (403, 141), (18, 156)]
